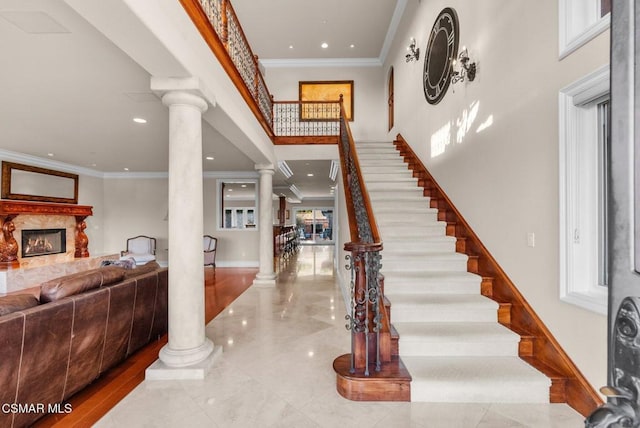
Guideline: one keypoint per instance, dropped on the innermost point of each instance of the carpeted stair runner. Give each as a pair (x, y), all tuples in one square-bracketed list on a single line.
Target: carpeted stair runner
[(450, 339)]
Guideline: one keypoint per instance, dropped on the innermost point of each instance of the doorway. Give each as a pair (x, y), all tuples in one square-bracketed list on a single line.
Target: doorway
[(315, 225)]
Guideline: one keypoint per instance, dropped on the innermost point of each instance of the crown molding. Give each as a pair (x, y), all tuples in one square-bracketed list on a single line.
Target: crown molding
[(133, 174), (391, 31), (74, 169), (321, 62), (231, 174), (48, 163)]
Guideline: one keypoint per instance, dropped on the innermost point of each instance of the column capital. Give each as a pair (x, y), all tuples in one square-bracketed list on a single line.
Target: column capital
[(265, 168), (163, 86), (185, 98)]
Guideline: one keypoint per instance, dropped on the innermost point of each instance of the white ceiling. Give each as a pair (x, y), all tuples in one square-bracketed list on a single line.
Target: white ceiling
[(70, 95), (295, 29)]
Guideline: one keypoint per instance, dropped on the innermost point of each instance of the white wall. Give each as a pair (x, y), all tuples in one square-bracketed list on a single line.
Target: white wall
[(139, 206), (504, 179), (236, 247), (136, 206)]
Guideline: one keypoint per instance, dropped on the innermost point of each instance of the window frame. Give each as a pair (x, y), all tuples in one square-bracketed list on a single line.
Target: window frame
[(578, 152), (231, 205), (579, 22)]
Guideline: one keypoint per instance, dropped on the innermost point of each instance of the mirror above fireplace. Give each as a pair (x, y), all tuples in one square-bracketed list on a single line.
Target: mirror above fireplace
[(31, 183)]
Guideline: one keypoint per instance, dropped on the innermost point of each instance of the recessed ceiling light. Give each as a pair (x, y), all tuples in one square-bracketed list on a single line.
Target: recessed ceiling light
[(290, 46), (139, 120), (209, 158), (50, 155), (310, 175), (244, 185), (352, 46), (126, 169), (229, 190), (94, 164), (324, 45)]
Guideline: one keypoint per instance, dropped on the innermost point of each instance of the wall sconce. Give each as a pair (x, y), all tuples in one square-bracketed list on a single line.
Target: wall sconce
[(467, 69), (414, 53)]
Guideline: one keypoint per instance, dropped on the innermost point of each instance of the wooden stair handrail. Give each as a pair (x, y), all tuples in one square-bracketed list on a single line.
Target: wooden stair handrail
[(365, 195), (360, 247), (547, 352)]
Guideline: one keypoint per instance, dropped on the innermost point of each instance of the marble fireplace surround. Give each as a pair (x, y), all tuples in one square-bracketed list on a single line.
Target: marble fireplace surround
[(17, 273)]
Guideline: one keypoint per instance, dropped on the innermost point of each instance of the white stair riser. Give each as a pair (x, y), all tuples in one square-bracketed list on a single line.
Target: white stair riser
[(431, 288), (398, 201), (425, 246), (407, 179), (376, 163), (414, 215), (470, 392), (422, 232), (425, 265), (425, 348), (382, 169), (414, 206), (387, 173), (402, 313), (406, 184), (365, 158)]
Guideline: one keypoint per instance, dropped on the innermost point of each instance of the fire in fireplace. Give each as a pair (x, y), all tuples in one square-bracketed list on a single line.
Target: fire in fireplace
[(41, 242)]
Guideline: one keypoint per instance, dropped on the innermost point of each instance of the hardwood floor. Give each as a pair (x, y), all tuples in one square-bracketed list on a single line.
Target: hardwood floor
[(222, 287)]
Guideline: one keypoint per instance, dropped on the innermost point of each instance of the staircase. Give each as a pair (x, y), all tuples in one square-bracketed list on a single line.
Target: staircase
[(450, 338)]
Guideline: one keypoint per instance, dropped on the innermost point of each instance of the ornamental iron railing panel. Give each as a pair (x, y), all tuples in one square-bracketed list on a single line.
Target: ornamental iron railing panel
[(306, 118)]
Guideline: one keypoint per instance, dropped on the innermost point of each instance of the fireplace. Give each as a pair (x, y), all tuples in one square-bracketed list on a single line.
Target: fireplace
[(41, 242)]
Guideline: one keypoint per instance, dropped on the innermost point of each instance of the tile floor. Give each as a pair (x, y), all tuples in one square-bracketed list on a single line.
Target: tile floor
[(276, 370)]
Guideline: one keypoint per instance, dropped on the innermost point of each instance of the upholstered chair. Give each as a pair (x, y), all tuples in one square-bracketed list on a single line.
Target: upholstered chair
[(142, 249), (209, 244)]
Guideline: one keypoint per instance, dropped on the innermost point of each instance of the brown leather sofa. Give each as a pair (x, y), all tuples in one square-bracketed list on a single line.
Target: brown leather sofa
[(82, 325)]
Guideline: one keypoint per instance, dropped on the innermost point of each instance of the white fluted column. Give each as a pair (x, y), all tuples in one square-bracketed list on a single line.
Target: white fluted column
[(188, 353), (266, 277)]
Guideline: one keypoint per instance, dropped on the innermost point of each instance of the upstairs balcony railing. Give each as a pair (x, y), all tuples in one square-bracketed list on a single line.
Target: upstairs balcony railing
[(291, 122), (219, 26)]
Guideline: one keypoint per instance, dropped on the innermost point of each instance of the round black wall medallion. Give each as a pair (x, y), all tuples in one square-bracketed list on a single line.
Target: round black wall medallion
[(441, 50)]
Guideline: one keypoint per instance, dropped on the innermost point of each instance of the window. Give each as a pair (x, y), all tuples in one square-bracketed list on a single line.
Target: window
[(239, 218), (604, 148), (584, 163), (237, 203), (581, 21)]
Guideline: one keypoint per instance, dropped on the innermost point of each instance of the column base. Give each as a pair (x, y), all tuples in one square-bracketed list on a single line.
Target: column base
[(265, 280), (159, 370), (185, 357)]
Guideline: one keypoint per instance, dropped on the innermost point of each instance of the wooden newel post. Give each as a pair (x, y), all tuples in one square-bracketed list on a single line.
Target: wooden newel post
[(367, 304)]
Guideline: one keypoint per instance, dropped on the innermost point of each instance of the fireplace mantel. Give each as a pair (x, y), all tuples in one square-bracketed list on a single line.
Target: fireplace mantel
[(11, 209), (14, 208)]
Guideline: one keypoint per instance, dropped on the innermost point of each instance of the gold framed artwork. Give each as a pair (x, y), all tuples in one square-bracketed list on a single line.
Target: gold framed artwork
[(328, 91)]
